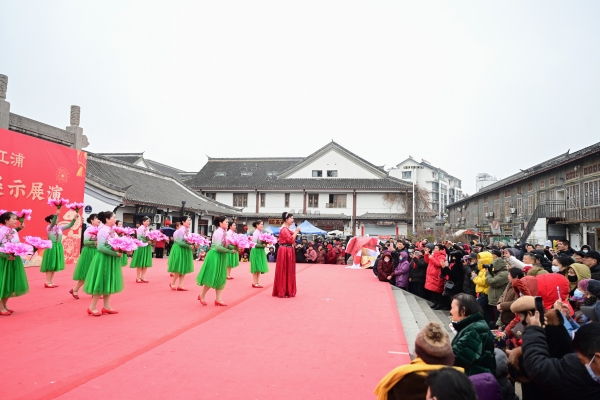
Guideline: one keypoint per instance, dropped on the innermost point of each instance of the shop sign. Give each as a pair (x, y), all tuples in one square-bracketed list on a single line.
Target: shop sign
[(275, 221), (495, 227), (145, 210), (385, 223), (486, 230)]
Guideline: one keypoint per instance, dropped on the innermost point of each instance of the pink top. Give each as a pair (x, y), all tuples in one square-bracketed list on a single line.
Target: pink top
[(181, 233), (8, 235), (219, 237), (141, 232), (105, 233), (255, 235)]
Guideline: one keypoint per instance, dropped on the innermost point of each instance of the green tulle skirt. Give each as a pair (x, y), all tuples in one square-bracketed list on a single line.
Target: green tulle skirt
[(142, 257), (124, 260), (233, 260), (104, 275), (83, 264), (13, 280), (181, 260), (214, 270), (53, 258), (258, 260)]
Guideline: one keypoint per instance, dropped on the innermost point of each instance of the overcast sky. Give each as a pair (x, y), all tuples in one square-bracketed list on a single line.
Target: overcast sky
[(470, 86)]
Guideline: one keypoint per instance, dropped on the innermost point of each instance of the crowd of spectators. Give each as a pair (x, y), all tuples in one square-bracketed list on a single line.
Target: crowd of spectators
[(522, 314)]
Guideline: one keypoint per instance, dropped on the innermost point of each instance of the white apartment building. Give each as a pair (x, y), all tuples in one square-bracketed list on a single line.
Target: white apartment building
[(444, 189)]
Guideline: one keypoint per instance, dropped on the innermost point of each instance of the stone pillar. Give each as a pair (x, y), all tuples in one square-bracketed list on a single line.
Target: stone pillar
[(584, 232), (81, 140), (4, 105)]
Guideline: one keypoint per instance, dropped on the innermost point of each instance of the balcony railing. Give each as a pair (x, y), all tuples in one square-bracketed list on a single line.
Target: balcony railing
[(582, 215)]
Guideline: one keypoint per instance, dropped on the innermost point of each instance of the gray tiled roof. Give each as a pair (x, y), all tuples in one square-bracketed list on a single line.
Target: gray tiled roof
[(129, 158), (383, 216), (165, 169), (534, 170), (297, 216), (144, 186)]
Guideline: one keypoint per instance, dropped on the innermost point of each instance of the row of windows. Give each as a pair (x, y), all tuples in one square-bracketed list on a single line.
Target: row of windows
[(317, 173), (241, 200)]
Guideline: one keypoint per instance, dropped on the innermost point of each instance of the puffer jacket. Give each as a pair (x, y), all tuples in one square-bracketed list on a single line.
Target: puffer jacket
[(547, 284), (505, 300), (497, 280), (473, 346), (481, 285), (418, 270), (581, 271), (433, 280), (402, 271)]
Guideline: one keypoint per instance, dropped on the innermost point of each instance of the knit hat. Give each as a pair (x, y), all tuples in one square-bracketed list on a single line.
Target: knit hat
[(583, 284), (594, 288), (523, 304), (433, 345)]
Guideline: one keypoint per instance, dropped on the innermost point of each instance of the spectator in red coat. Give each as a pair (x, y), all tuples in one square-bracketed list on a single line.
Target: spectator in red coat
[(433, 279)]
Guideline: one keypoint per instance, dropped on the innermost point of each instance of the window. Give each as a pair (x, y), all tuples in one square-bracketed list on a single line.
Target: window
[(572, 175), (406, 174), (332, 173), (485, 200), (529, 205), (468, 215), (591, 193), (337, 201), (271, 173), (519, 206), (497, 196), (592, 169), (572, 193), (542, 198), (220, 174), (317, 173), (551, 181), (313, 200), (476, 220), (286, 200), (497, 210), (542, 183), (530, 186), (507, 208), (476, 202), (246, 173), (240, 199), (519, 190), (263, 199), (211, 195), (507, 193), (485, 210)]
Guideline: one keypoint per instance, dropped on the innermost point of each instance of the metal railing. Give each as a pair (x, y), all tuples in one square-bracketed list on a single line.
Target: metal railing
[(582, 215), (550, 209)]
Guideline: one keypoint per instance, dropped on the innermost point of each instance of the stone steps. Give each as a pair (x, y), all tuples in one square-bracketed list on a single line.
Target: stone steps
[(415, 313)]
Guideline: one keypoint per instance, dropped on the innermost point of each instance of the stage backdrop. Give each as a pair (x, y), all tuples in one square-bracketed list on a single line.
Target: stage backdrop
[(33, 170)]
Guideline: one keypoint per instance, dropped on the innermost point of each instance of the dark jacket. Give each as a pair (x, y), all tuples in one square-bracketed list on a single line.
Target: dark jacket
[(418, 269), (473, 346), (498, 279), (566, 378), (454, 273), (506, 299), (385, 269), (595, 270), (468, 284)]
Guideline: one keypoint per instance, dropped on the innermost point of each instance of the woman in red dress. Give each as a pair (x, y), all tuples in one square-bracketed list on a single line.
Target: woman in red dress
[(285, 268)]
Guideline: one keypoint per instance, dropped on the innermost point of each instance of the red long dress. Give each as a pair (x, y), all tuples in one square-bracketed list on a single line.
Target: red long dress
[(285, 268)]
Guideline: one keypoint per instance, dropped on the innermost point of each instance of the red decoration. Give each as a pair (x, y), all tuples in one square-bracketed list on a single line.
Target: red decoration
[(167, 222), (245, 228)]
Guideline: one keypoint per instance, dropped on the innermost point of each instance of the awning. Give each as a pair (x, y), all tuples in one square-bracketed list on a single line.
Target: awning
[(464, 232)]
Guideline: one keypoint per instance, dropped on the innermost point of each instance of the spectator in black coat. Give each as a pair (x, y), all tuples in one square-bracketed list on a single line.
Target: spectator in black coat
[(416, 277), (575, 375)]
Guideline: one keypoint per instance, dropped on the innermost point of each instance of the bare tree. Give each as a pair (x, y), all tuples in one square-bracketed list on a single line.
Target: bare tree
[(404, 202)]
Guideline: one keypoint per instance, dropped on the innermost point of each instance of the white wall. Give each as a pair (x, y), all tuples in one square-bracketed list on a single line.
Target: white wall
[(98, 201), (332, 160), (275, 202), (539, 233), (373, 203)]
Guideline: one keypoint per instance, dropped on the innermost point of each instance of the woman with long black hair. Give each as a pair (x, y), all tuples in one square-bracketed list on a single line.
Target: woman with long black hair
[(285, 268)]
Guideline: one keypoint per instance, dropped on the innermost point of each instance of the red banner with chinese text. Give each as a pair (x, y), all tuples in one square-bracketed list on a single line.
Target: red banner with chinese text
[(33, 170)]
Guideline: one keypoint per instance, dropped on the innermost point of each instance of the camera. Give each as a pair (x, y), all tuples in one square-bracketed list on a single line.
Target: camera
[(489, 267)]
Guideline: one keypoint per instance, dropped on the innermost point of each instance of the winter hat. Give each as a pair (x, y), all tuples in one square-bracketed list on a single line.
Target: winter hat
[(583, 285), (501, 363), (592, 312), (523, 304), (535, 271), (594, 288), (433, 345)]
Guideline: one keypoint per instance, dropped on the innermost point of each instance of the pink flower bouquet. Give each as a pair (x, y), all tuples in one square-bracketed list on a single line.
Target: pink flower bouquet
[(38, 243), (139, 243), (3, 211), (156, 236), (58, 203), (196, 239), (241, 241), (75, 206), (17, 249), (24, 214), (124, 244), (123, 231), (92, 230), (267, 238)]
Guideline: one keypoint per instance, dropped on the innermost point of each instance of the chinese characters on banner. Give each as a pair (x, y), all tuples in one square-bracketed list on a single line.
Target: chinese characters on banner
[(32, 171)]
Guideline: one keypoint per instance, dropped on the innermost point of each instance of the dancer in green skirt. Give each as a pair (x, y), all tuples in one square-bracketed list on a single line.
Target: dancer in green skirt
[(53, 259), (181, 258), (233, 259), (258, 257), (213, 274), (87, 255), (13, 280), (104, 276), (142, 257)]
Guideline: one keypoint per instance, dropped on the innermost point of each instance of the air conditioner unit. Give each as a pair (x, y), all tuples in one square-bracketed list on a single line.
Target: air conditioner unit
[(491, 214), (211, 228), (463, 219), (513, 210), (486, 214), (158, 218), (507, 219)]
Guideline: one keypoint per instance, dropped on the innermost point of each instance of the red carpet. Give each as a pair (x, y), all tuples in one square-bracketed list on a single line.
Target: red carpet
[(336, 339)]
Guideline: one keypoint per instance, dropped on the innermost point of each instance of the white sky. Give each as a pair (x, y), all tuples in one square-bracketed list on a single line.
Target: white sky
[(471, 86)]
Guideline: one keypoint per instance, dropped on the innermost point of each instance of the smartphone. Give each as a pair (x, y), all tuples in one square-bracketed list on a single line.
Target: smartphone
[(539, 306)]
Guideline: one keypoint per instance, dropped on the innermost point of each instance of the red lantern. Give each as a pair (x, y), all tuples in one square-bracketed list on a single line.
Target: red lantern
[(167, 222), (245, 228)]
